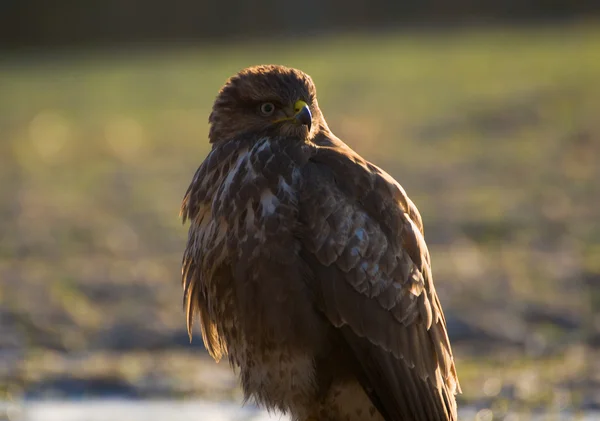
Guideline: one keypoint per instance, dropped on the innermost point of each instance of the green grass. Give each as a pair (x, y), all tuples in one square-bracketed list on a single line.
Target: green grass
[(493, 133)]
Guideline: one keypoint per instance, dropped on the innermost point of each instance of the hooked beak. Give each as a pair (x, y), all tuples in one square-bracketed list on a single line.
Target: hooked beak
[(302, 114)]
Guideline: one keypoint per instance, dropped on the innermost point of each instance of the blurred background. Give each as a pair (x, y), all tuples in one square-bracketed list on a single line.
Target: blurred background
[(488, 113)]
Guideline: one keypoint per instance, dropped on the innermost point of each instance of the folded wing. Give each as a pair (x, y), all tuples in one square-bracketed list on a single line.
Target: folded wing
[(362, 239)]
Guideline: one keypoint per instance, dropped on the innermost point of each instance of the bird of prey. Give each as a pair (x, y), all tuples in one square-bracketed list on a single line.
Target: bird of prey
[(308, 267)]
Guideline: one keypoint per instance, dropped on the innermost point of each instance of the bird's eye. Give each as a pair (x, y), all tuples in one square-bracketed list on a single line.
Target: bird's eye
[(267, 108)]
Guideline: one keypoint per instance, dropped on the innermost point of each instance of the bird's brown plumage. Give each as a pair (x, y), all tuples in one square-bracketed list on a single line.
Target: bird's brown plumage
[(308, 267)]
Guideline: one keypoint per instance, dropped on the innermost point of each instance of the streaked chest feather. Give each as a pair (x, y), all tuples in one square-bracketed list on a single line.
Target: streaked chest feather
[(263, 314), (249, 195)]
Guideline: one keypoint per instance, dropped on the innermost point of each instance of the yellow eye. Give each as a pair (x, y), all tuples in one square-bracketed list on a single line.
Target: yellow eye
[(267, 108)]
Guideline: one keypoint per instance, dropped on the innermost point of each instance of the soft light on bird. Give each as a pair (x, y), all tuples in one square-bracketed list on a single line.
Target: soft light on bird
[(307, 264)]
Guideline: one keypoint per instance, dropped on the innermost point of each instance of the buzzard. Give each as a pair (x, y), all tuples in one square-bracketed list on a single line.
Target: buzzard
[(308, 267)]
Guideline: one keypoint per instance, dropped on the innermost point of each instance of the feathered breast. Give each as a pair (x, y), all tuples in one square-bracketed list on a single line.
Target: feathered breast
[(242, 206)]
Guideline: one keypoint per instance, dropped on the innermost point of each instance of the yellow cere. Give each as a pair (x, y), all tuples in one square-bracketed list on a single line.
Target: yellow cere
[(299, 105)]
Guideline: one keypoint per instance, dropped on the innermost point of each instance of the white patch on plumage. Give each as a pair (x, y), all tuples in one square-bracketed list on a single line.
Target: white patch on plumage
[(285, 187), (295, 175), (360, 234), (268, 202), (250, 173), (243, 156), (261, 145)]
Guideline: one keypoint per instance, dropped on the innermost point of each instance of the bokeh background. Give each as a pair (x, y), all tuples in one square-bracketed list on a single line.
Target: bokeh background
[(488, 113)]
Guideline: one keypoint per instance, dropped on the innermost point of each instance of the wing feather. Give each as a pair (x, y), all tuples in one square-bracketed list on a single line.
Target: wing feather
[(363, 240)]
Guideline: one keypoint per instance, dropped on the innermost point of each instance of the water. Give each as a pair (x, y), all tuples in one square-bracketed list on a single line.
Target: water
[(140, 410), (132, 410)]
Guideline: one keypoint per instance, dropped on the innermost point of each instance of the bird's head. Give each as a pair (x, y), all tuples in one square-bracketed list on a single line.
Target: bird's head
[(266, 100)]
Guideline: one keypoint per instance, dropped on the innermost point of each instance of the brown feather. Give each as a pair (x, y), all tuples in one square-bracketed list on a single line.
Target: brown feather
[(308, 268), (429, 351)]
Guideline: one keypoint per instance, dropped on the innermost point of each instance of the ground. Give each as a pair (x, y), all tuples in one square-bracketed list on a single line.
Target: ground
[(494, 133)]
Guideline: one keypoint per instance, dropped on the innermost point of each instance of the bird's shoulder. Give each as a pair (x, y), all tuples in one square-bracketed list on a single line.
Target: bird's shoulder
[(354, 214)]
